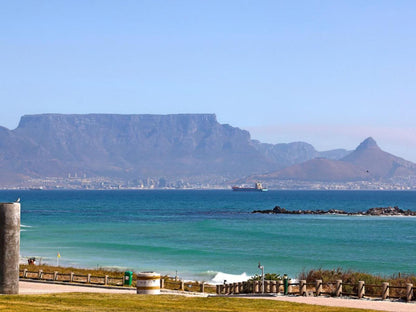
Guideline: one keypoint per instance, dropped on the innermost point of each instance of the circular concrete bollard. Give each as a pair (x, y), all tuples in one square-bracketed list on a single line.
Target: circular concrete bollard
[(9, 247), (148, 283)]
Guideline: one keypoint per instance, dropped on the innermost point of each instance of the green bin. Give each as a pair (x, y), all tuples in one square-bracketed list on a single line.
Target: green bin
[(285, 284), (128, 278)]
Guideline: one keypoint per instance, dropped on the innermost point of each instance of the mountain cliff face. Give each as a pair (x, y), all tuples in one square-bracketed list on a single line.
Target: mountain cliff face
[(181, 146), (131, 146)]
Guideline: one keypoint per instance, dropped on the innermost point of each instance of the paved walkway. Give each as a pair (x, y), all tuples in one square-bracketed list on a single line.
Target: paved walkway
[(48, 288)]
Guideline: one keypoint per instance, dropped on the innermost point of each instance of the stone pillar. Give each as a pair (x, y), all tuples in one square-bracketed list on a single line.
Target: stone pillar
[(385, 291), (182, 285), (302, 288), (361, 289), (106, 280), (9, 247), (240, 287), (40, 274), (55, 275), (72, 277), (318, 287), (338, 288), (218, 289), (202, 287), (162, 283), (89, 278), (409, 292), (25, 273)]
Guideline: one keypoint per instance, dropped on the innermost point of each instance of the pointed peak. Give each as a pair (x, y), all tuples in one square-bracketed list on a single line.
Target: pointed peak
[(367, 143)]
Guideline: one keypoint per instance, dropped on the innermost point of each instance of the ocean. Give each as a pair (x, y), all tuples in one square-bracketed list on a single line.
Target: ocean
[(212, 235)]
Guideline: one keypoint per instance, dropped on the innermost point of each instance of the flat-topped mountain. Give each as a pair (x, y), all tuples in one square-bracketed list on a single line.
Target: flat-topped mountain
[(140, 146)]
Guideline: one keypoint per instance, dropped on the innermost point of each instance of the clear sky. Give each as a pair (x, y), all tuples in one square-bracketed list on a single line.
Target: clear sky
[(330, 73)]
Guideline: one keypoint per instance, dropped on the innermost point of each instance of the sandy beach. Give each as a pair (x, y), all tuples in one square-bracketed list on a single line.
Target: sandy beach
[(49, 288)]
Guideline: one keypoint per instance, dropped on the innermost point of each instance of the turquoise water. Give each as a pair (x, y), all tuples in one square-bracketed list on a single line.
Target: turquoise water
[(200, 233)]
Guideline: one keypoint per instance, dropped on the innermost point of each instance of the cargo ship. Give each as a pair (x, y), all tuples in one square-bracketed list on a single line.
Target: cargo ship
[(258, 187)]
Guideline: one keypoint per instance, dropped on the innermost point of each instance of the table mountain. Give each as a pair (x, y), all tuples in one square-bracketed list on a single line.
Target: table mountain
[(132, 146)]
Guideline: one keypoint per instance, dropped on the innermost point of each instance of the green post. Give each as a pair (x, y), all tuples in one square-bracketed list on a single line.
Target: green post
[(128, 278), (285, 284)]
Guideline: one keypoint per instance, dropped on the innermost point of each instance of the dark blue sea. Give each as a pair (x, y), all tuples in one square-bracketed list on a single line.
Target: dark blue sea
[(205, 234)]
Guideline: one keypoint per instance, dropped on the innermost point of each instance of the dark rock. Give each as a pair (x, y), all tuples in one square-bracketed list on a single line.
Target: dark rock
[(377, 211)]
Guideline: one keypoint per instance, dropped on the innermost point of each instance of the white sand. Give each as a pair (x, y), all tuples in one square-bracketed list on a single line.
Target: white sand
[(47, 288)]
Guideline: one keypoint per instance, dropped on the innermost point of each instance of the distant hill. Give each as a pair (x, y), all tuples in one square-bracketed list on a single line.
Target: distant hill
[(140, 146), (367, 162)]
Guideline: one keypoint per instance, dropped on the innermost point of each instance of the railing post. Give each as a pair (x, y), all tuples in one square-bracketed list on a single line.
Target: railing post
[(240, 287), (88, 278), (25, 273), (318, 287), (55, 275), (72, 277), (361, 289), (273, 287), (385, 291), (162, 283), (218, 289), (289, 287), (338, 290), (302, 288), (202, 287), (409, 292), (267, 286), (182, 285), (106, 280), (236, 288), (257, 287), (279, 285), (40, 274)]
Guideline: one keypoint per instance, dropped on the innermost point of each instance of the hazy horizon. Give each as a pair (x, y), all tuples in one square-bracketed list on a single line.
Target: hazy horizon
[(329, 73)]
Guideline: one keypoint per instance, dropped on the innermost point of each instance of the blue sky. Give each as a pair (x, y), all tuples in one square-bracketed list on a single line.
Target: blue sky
[(330, 73)]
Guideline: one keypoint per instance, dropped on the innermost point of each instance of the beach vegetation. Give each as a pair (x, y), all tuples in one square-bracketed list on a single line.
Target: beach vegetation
[(267, 277), (351, 278)]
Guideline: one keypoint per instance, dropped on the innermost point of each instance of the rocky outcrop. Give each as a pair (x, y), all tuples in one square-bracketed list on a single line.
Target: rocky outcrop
[(378, 211)]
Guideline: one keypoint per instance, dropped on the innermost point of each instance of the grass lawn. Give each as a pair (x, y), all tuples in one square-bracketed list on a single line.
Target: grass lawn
[(126, 302)]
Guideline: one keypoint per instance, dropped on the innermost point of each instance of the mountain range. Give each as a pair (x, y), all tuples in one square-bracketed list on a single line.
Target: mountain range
[(366, 163), (193, 147)]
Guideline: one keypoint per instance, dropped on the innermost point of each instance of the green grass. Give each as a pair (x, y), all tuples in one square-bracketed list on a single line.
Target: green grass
[(125, 302)]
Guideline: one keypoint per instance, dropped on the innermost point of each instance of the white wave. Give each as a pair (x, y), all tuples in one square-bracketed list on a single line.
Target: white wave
[(220, 277), (25, 226)]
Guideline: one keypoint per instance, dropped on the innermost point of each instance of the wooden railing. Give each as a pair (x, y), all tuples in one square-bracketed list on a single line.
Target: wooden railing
[(166, 282), (335, 289), (71, 277)]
